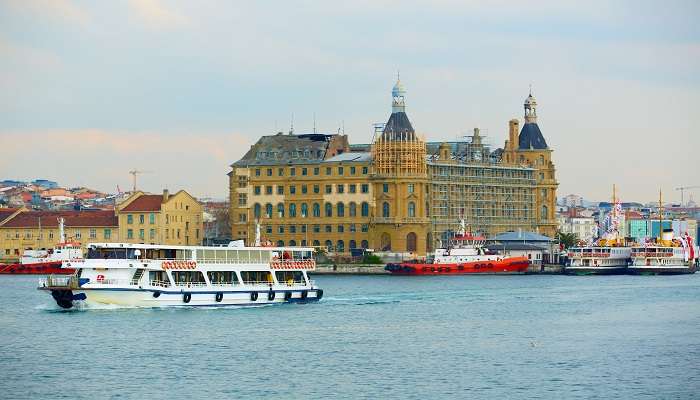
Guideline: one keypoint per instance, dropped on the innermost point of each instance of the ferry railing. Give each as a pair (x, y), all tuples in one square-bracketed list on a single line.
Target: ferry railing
[(159, 283), (222, 284), (190, 284), (60, 281)]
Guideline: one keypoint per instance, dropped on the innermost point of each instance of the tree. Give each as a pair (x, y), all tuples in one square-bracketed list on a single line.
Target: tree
[(567, 239)]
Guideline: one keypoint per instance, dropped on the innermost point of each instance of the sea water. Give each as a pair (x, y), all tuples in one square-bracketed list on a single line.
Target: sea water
[(371, 337)]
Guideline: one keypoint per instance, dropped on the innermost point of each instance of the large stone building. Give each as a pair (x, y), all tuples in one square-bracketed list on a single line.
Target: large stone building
[(397, 194), (141, 218)]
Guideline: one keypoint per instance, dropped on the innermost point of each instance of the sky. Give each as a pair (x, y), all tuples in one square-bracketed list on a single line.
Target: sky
[(91, 90)]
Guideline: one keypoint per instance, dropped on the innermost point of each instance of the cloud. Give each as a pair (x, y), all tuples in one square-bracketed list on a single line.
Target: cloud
[(60, 10), (157, 15)]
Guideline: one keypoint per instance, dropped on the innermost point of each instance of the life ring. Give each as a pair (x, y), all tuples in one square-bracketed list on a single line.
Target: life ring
[(186, 297), (319, 294), (287, 296), (304, 294), (156, 295), (219, 297), (271, 295), (253, 296)]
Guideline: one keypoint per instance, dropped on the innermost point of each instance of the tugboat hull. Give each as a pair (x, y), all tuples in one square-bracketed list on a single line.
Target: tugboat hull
[(512, 265)]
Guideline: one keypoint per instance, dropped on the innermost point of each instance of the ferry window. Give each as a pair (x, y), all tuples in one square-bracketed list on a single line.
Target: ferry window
[(256, 276), (207, 255), (222, 277), (158, 278), (185, 278), (290, 277)]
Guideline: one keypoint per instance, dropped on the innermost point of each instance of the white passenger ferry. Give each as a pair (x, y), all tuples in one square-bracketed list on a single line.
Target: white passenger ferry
[(667, 255), (142, 275)]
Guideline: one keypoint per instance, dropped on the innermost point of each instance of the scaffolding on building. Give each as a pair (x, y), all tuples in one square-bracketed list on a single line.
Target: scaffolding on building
[(398, 154)]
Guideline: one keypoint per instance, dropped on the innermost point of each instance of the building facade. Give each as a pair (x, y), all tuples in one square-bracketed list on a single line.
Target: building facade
[(398, 194)]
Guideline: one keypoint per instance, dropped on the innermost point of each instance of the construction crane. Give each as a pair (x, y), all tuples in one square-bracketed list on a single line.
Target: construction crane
[(683, 189), (135, 172)]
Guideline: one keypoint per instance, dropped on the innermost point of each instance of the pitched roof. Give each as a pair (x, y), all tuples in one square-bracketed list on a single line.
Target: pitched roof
[(531, 138), (513, 246), (398, 127), (521, 237), (6, 212), (146, 202), (287, 149), (49, 219)]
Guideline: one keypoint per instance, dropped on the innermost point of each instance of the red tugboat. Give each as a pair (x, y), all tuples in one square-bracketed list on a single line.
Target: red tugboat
[(46, 262), (465, 255)]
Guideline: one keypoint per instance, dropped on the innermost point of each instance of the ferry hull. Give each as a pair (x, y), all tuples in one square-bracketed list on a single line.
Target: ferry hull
[(514, 265), (661, 269), (45, 268), (612, 270), (146, 298)]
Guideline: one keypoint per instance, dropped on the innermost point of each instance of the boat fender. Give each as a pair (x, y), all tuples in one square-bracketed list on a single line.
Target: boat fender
[(156, 294), (219, 297), (319, 294), (186, 298), (304, 294), (271, 295), (253, 296), (287, 296)]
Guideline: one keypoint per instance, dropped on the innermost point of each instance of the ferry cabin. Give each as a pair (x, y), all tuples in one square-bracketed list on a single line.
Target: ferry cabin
[(599, 256), (660, 256)]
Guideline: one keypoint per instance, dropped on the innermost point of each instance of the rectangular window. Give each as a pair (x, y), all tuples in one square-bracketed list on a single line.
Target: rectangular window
[(341, 188), (411, 188), (352, 188), (317, 189), (78, 235), (328, 170), (341, 229), (364, 188), (268, 189), (304, 171), (280, 171), (292, 189), (365, 228), (141, 234), (364, 170), (93, 233), (292, 229), (268, 229), (304, 189), (242, 200), (316, 171), (329, 189), (317, 228), (280, 189), (329, 229), (353, 228), (142, 219), (385, 187), (242, 217), (340, 170), (152, 218), (303, 229), (129, 219), (167, 234), (257, 172), (292, 171), (107, 234), (269, 172), (280, 229), (353, 170), (152, 233), (256, 190), (129, 233)]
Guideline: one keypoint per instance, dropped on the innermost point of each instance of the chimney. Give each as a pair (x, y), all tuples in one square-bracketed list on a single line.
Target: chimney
[(513, 133), (166, 195)]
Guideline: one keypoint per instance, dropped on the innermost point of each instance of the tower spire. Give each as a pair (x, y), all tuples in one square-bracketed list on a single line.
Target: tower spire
[(398, 93), (530, 106)]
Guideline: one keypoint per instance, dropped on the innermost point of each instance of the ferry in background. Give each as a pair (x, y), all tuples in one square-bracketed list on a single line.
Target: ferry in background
[(464, 255), (666, 255), (140, 275), (44, 262)]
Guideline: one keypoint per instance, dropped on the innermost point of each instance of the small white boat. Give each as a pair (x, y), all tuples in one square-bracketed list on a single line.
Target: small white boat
[(141, 275)]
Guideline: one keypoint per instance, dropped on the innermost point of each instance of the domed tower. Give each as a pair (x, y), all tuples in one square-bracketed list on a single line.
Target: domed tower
[(399, 175), (530, 149)]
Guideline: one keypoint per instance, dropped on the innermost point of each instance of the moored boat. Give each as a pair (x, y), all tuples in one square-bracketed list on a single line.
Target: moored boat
[(44, 262), (667, 255), (466, 254), (140, 275)]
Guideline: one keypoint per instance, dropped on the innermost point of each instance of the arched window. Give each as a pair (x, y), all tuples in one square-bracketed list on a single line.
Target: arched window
[(280, 243), (411, 239), (292, 210), (411, 209), (340, 247), (316, 243), (385, 242), (316, 210), (304, 210), (329, 210), (385, 210), (341, 210), (329, 245), (256, 210), (544, 213), (303, 242), (280, 210), (353, 244), (365, 209), (353, 209), (268, 210), (292, 242), (364, 244)]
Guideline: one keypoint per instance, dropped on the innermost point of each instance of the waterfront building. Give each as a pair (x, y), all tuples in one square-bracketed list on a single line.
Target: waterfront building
[(399, 194), (141, 218), (585, 228)]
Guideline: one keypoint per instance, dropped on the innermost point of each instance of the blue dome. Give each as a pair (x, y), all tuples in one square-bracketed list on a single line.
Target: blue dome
[(398, 90)]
